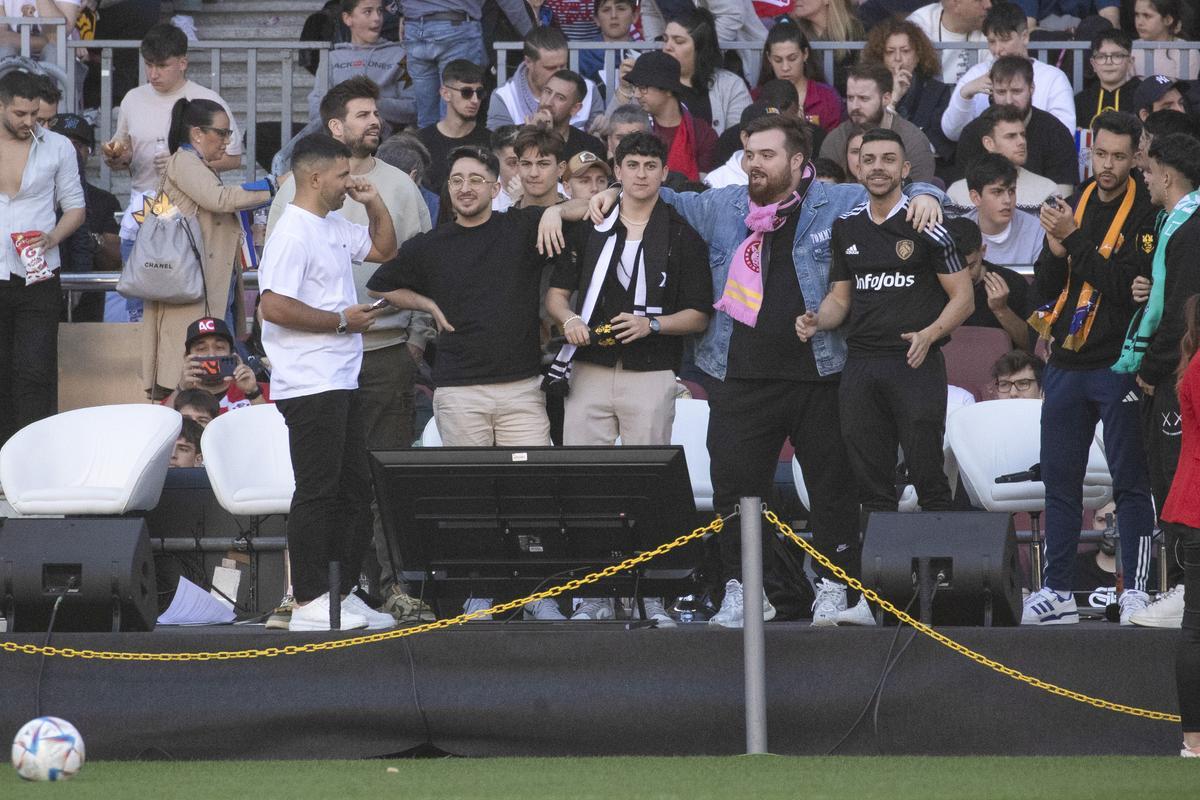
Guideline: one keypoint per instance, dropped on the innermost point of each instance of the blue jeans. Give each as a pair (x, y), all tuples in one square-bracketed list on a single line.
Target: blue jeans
[(1075, 400), (431, 46), (118, 308)]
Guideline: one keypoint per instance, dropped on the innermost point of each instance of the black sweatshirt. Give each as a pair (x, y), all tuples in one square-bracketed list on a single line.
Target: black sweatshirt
[(1112, 277), (1182, 281)]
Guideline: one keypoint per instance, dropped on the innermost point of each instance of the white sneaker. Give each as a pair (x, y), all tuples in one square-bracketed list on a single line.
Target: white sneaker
[(732, 613), (376, 620), (1132, 601), (1165, 612), (544, 609), (314, 616), (654, 611), (858, 614), (478, 604), (594, 608), (1048, 607), (830, 602), (1188, 752)]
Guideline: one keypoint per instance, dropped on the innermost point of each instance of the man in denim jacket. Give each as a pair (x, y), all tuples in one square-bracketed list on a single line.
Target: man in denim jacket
[(768, 386)]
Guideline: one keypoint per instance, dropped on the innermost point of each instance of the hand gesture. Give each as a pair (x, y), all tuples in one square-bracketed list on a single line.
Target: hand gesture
[(577, 333), (918, 346), (515, 190), (1140, 289), (997, 292), (550, 241), (359, 317), (806, 326), (1057, 219), (243, 376), (361, 190), (924, 211), (981, 85), (601, 203), (901, 80), (630, 327), (193, 375), (542, 118)]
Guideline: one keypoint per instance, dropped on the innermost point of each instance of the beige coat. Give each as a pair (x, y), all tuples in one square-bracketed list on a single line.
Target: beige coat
[(195, 189)]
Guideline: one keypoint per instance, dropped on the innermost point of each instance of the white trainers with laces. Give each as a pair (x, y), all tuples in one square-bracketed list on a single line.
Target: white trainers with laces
[(732, 613), (857, 614), (1188, 752), (1132, 601), (655, 610), (1165, 612), (314, 616), (544, 609), (1048, 607), (376, 620), (478, 604), (595, 608), (830, 602)]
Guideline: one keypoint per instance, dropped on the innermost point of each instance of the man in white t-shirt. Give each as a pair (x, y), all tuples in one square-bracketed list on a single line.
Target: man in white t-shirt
[(312, 326), (1007, 35), (953, 21), (140, 143)]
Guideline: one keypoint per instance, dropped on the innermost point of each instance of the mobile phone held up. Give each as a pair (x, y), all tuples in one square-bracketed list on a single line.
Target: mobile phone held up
[(217, 366), (382, 302)]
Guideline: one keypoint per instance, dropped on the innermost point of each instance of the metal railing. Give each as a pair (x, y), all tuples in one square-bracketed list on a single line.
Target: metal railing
[(284, 53), (1042, 51)]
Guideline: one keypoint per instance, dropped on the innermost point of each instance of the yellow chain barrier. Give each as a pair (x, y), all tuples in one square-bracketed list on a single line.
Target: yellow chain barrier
[(961, 649), (715, 526)]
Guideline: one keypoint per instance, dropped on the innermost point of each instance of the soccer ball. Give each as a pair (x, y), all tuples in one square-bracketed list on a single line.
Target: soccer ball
[(47, 749)]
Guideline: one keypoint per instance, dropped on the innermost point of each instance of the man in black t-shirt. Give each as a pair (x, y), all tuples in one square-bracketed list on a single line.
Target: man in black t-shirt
[(1002, 297), (889, 286), (479, 276), (462, 91)]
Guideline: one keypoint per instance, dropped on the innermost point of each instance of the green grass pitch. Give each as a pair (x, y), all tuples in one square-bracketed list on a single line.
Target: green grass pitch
[(758, 777)]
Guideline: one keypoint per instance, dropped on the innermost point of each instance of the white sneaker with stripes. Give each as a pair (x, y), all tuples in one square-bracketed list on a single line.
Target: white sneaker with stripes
[(1048, 607)]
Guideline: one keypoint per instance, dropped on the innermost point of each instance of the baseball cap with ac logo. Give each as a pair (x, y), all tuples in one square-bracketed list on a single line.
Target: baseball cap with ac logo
[(207, 326)]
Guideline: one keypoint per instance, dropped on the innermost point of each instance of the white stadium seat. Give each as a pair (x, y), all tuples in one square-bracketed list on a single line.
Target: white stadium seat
[(249, 462)]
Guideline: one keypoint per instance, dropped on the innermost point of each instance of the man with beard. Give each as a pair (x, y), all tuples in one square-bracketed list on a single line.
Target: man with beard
[(769, 255), (561, 99), (395, 345), (38, 172), (462, 91), (1086, 270), (518, 98), (868, 105), (1172, 176), (480, 278), (312, 322), (889, 287)]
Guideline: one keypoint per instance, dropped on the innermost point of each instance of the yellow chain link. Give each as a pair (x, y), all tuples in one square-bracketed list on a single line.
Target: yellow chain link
[(961, 649), (339, 644)]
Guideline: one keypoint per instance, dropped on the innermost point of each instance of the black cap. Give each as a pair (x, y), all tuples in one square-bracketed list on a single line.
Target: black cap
[(207, 326), (1152, 88), (655, 69), (74, 127)]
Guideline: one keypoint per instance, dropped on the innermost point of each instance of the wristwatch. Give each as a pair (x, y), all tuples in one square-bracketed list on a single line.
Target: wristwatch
[(655, 325), (343, 323)]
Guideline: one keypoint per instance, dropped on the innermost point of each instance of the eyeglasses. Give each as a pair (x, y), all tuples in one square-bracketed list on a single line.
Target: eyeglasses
[(1109, 58), (224, 133), (1020, 384), (476, 181), (468, 92)]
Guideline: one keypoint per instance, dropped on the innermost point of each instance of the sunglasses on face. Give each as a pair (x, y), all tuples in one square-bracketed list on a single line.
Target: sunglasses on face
[(468, 92)]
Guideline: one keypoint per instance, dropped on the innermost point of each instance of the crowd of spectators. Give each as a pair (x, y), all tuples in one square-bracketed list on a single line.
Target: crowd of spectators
[(1000, 132)]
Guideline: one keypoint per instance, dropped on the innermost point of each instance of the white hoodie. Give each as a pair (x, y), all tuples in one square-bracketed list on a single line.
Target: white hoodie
[(728, 174)]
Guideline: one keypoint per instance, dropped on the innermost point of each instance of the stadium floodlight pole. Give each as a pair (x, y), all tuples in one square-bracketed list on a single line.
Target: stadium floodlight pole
[(753, 640)]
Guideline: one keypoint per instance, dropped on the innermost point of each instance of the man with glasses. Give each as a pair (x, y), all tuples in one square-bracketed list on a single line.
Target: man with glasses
[(1017, 375), (140, 143), (462, 91), (1113, 87)]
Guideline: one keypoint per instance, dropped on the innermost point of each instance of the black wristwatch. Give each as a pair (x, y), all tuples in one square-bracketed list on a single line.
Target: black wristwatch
[(655, 325), (257, 393)]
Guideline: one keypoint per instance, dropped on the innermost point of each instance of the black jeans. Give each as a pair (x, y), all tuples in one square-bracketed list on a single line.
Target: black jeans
[(885, 405), (330, 518), (28, 352), (749, 420), (1163, 434), (1187, 659)]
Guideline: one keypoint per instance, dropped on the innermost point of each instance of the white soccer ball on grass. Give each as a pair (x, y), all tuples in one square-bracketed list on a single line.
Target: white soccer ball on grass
[(47, 749)]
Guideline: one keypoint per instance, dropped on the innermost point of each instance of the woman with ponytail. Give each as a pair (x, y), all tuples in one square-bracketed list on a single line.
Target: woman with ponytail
[(1183, 510), (200, 132)]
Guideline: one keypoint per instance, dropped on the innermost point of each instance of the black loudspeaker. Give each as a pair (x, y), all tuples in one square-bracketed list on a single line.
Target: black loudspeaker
[(972, 555), (103, 569)]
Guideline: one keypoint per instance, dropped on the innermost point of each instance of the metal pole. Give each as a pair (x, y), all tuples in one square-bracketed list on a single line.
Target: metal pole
[(753, 643)]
